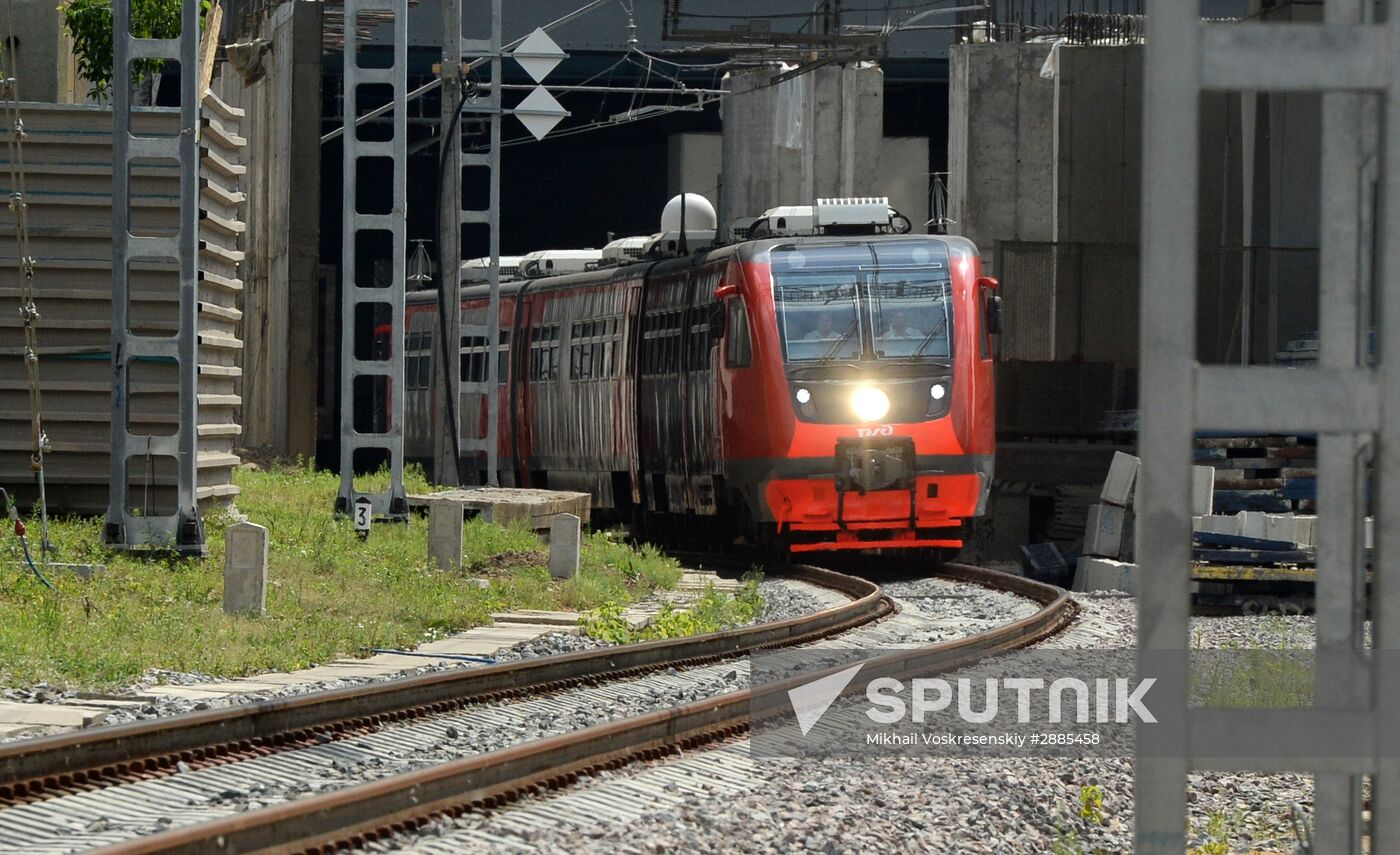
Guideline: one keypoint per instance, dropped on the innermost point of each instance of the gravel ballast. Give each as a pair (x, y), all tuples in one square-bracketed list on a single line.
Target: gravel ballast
[(903, 803)]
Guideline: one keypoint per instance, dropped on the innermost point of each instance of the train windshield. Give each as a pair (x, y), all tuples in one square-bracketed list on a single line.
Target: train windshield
[(887, 300)]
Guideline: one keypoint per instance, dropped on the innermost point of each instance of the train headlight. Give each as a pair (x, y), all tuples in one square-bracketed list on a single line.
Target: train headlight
[(870, 403), (938, 391), (803, 396)]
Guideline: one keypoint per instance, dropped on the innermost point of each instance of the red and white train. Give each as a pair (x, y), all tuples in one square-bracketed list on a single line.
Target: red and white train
[(822, 384)]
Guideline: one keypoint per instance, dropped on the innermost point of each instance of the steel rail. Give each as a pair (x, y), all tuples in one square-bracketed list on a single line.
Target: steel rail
[(372, 811), (34, 769)]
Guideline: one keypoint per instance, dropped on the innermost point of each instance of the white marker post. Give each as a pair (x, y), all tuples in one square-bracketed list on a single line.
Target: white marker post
[(364, 516)]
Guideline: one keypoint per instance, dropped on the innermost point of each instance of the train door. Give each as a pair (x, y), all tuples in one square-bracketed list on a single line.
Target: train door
[(704, 323), (626, 401), (660, 391)]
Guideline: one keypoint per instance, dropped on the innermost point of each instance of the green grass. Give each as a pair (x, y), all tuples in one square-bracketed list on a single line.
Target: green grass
[(330, 594)]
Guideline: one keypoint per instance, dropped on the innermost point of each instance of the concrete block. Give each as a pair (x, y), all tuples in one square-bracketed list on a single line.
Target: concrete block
[(1253, 524), (1103, 534), (49, 715), (1122, 478), (245, 569), (1280, 527), (1370, 532), (1306, 529), (564, 534), (1219, 524), (1103, 574), (1203, 490), (445, 534)]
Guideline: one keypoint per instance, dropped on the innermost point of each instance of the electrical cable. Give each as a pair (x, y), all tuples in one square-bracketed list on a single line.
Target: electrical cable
[(448, 397)]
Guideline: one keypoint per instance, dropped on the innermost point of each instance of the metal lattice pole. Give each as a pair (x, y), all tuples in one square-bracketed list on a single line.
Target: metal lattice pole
[(182, 530), (28, 312), (357, 285), (485, 388), (1351, 403)]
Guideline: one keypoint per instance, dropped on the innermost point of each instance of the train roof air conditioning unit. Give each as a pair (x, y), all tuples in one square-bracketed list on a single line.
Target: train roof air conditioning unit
[(625, 250), (556, 262), (474, 269), (858, 215), (859, 212)]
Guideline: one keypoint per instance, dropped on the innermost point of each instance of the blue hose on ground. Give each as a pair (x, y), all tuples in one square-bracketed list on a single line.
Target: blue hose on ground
[(30, 561), (7, 504)]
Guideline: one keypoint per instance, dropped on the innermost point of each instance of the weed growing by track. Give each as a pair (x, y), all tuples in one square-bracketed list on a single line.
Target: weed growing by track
[(330, 594), (710, 612)]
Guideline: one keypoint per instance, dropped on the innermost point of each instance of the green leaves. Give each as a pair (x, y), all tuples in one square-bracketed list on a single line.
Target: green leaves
[(89, 22)]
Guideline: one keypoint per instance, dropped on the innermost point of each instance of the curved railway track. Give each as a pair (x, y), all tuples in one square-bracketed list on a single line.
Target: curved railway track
[(36, 770)]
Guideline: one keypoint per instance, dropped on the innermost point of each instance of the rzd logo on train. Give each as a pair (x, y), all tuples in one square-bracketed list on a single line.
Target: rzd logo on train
[(882, 430)]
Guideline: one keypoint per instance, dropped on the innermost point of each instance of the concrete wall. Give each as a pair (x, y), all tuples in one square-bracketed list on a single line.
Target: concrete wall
[(903, 176), (1000, 144), (693, 164), (816, 135), (1097, 142), (35, 29)]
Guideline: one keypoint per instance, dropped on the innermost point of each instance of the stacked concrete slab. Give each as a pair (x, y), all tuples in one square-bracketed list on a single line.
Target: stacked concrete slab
[(1297, 529), (1109, 532)]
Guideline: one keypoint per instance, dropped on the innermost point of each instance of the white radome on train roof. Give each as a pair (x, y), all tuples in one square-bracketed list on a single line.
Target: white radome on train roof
[(699, 214)]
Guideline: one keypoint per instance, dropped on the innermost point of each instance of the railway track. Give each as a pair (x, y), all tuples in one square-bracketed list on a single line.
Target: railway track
[(38, 778)]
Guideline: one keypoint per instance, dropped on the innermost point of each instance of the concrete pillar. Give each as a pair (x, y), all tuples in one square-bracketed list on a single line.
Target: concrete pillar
[(816, 135), (283, 242), (445, 534), (245, 569), (564, 537)]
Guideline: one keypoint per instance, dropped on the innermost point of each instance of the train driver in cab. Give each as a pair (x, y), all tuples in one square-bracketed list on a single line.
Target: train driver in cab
[(899, 328)]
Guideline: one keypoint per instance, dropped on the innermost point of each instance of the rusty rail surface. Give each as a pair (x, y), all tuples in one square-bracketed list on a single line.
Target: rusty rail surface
[(381, 809), (34, 769)]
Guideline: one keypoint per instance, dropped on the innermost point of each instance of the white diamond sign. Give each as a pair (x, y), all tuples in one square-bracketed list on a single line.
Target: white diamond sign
[(538, 55), (540, 112)]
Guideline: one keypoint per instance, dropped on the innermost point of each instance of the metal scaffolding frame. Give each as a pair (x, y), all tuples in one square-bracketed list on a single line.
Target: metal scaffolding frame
[(1352, 404), (452, 217), (392, 503), (182, 530)]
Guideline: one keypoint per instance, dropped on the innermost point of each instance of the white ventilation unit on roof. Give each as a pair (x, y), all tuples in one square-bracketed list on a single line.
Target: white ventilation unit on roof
[(858, 215), (624, 251), (853, 212), (556, 262), (474, 269)]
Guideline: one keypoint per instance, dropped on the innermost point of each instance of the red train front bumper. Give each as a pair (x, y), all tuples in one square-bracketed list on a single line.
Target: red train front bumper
[(813, 516)]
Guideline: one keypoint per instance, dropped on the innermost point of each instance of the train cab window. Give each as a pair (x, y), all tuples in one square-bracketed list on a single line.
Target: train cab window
[(739, 352)]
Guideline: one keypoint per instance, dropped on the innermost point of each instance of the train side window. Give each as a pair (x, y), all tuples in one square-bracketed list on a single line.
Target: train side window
[(739, 353), (502, 357)]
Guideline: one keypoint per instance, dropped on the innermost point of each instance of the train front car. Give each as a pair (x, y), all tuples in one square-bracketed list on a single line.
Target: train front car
[(864, 417)]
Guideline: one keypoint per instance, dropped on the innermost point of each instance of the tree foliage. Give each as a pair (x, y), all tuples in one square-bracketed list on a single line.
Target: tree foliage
[(89, 23)]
